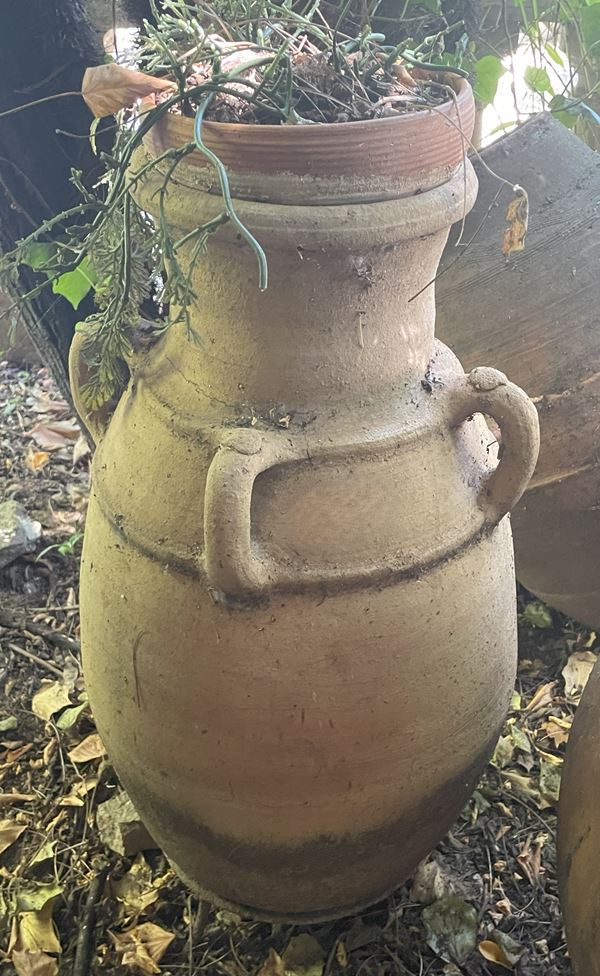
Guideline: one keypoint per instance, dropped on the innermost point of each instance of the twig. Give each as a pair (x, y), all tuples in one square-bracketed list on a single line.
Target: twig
[(38, 660), (21, 623), (85, 941)]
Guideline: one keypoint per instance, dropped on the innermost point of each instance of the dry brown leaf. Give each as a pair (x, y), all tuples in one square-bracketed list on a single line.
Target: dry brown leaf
[(494, 953), (51, 435), (35, 931), (36, 460), (341, 955), (135, 890), (13, 755), (6, 799), (50, 699), (576, 673), (143, 946), (9, 833), (556, 729), (517, 217), (543, 697), (89, 748), (107, 88), (34, 963), (81, 449), (273, 965)]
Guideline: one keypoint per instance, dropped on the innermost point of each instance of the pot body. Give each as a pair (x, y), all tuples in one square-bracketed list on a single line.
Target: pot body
[(536, 317), (579, 833), (297, 585)]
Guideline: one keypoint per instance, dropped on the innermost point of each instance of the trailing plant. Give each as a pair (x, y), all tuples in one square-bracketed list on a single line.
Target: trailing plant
[(252, 61)]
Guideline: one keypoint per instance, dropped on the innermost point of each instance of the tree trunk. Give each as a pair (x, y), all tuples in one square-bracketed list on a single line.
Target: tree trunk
[(45, 47)]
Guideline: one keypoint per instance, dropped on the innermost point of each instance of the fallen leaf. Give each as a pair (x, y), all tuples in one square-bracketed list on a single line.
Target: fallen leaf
[(8, 724), (273, 965), (538, 615), (135, 890), (429, 884), (34, 963), (36, 460), (51, 435), (9, 833), (36, 897), (81, 449), (89, 748), (143, 946), (107, 88), (451, 926), (341, 956), (69, 718), (526, 789), (576, 673), (502, 950), (7, 799), (556, 729), (304, 956), (13, 755), (543, 697), (44, 853), (517, 217), (52, 697), (550, 781)]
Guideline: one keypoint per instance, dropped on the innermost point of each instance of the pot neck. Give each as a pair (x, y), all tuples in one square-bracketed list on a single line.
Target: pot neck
[(349, 310)]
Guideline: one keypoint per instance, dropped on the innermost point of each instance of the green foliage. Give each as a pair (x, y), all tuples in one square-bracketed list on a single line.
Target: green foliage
[(590, 30), (488, 72), (538, 80), (76, 284)]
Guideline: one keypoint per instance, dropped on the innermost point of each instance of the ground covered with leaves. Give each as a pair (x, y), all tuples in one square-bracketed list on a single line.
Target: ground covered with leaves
[(82, 889)]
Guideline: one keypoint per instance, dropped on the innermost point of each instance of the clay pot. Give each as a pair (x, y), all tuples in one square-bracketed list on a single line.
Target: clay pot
[(579, 834), (536, 318), (297, 590)]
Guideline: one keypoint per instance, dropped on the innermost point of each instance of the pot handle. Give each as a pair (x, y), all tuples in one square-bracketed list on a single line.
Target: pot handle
[(95, 421), (230, 564), (488, 391)]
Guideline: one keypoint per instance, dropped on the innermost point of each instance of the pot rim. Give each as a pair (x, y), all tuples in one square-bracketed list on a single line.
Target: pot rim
[(407, 153)]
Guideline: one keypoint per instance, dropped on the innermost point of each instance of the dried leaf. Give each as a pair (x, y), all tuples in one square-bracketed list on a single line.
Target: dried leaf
[(9, 833), (517, 217), (81, 449), (451, 926), (550, 781), (44, 853), (556, 729), (36, 460), (51, 435), (37, 897), (429, 884), (576, 673), (543, 697), (89, 748), (107, 88), (304, 956), (341, 956), (51, 698), (494, 953), (35, 932), (34, 963), (135, 890), (273, 965), (7, 799), (143, 946)]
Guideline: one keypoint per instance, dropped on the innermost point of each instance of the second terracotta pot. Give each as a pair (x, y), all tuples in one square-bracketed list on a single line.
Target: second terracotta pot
[(536, 317)]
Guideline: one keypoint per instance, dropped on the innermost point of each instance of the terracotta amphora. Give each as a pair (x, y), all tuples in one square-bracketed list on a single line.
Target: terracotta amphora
[(297, 590), (535, 316), (579, 834)]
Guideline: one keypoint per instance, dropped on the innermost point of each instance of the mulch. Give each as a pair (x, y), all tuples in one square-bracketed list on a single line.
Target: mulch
[(485, 902)]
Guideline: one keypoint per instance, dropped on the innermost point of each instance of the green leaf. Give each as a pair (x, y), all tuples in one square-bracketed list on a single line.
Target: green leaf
[(554, 55), (38, 255), (565, 110), (590, 29), (75, 285), (488, 72), (538, 80), (538, 615)]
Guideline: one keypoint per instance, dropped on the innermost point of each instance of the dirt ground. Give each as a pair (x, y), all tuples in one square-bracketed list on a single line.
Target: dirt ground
[(485, 902)]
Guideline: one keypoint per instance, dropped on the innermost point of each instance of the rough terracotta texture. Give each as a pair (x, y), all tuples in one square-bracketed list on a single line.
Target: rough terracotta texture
[(536, 318), (579, 833), (297, 586)]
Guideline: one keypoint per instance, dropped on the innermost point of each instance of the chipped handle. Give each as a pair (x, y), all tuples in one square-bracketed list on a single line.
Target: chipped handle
[(487, 391)]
